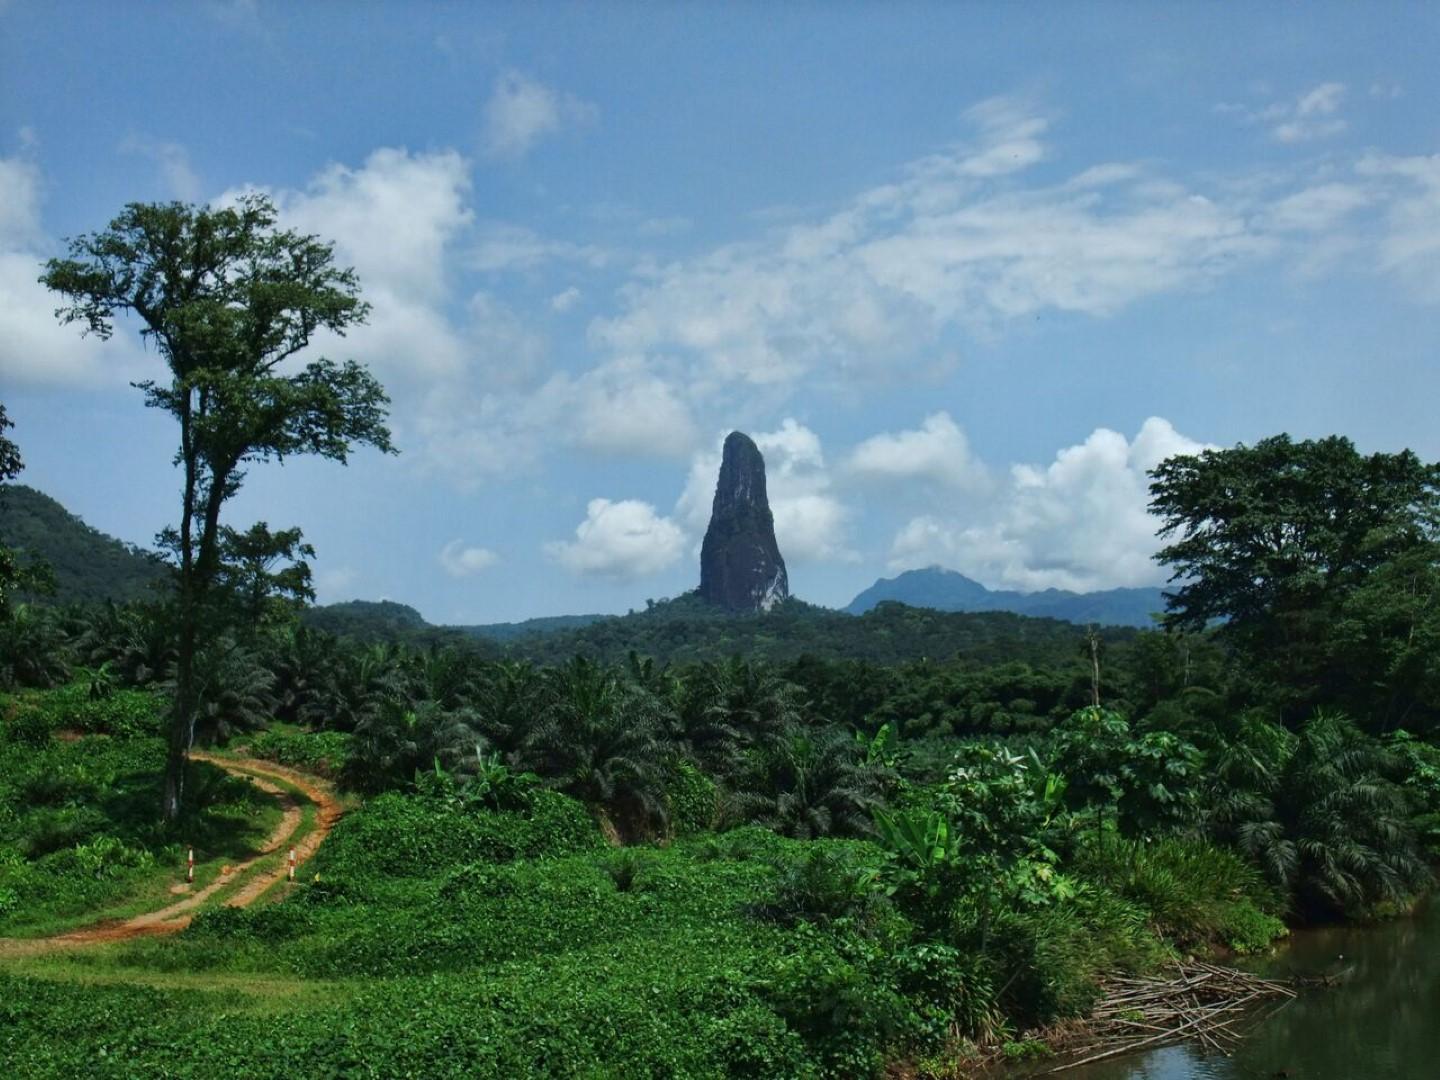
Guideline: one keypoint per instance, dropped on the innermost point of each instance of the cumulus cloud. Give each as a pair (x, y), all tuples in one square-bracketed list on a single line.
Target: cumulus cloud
[(938, 451), (460, 560), (621, 541), (395, 219), (811, 521), (565, 299), (522, 110), (1081, 522), (19, 204), (392, 218), (34, 346), (1319, 208)]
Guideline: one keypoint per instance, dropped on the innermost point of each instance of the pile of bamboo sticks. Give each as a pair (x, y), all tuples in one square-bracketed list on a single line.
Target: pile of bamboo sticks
[(1190, 1000)]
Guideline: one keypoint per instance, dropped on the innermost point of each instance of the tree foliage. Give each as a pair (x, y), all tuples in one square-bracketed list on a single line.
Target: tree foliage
[(227, 299), (1317, 562)]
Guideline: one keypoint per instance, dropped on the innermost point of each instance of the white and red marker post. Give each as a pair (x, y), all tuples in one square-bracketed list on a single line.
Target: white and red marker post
[(190, 868), (292, 864)]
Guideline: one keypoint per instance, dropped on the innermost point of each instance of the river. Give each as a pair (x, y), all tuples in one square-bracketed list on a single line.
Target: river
[(1381, 1023)]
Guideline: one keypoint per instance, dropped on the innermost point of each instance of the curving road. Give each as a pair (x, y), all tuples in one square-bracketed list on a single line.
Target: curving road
[(253, 883)]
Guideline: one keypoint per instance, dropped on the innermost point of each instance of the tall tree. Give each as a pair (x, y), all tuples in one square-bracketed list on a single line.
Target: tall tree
[(1282, 541), (226, 298), (10, 466), (33, 576)]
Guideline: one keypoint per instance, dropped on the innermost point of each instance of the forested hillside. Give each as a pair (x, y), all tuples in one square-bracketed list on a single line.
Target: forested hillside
[(687, 629), (89, 566)]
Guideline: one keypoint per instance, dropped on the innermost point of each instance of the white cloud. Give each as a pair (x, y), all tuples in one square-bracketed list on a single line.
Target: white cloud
[(954, 242), (1010, 138), (334, 584), (1082, 522), (1312, 115), (1319, 208), (19, 204), (622, 407), (565, 299), (664, 226), (504, 247), (811, 522), (937, 452), (393, 218), (462, 561), (34, 346), (172, 161), (1409, 246), (621, 540), (522, 110)]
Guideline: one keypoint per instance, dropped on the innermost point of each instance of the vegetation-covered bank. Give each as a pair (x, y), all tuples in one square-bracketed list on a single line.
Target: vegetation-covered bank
[(447, 935), (475, 918)]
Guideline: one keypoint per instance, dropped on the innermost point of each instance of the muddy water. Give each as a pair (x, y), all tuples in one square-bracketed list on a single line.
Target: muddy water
[(1381, 1023)]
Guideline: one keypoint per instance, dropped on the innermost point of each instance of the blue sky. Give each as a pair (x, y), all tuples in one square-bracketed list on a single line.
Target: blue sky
[(964, 271)]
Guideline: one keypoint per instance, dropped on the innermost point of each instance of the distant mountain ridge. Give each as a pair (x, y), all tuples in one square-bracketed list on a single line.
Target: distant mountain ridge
[(947, 590)]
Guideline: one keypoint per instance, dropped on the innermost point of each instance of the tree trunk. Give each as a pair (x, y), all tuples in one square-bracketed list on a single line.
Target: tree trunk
[(182, 722)]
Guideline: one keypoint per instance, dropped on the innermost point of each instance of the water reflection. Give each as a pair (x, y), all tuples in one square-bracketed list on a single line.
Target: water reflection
[(1382, 1023)]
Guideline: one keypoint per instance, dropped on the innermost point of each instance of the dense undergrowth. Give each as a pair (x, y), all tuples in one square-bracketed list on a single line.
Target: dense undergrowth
[(595, 871), (464, 940), (79, 835)]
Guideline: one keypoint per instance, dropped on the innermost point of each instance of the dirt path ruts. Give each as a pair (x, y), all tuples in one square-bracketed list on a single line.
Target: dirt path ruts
[(177, 916)]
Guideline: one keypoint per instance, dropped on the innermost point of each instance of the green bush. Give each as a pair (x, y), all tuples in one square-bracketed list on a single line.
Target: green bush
[(692, 799), (320, 752), (74, 707), (408, 836), (1194, 893)]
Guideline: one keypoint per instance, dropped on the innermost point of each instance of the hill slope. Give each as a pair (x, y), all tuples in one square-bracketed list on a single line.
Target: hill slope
[(946, 590), (89, 566)]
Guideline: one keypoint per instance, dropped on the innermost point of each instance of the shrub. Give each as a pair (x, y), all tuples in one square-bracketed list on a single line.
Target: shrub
[(625, 868), (409, 836), (826, 883), (692, 799), (319, 752), (1195, 894)]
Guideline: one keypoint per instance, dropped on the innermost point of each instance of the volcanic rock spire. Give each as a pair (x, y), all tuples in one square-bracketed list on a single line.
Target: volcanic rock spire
[(740, 564)]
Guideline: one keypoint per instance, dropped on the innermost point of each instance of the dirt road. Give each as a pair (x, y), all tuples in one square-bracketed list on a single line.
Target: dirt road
[(177, 916)]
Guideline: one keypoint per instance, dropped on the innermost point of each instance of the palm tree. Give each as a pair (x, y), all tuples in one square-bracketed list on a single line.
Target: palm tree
[(816, 783), (303, 661), (33, 652), (235, 691), (363, 681), (1333, 828), (136, 640), (394, 740), (508, 704), (726, 710), (442, 674), (599, 741)]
